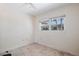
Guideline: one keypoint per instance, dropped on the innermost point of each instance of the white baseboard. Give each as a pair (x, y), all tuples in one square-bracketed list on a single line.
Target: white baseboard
[(74, 54), (12, 48)]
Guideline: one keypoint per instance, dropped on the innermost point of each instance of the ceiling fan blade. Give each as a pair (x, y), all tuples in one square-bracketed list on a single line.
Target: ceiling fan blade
[(31, 5)]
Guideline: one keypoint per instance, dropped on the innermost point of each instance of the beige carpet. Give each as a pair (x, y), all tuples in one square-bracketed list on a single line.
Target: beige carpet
[(37, 50)]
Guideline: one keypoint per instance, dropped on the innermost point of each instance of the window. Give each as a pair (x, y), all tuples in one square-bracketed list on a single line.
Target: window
[(44, 25), (60, 24), (53, 24)]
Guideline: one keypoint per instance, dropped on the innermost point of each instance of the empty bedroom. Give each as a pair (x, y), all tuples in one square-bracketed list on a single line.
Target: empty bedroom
[(39, 29)]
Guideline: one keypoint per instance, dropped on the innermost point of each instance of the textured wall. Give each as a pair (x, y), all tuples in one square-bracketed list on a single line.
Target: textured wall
[(67, 40)]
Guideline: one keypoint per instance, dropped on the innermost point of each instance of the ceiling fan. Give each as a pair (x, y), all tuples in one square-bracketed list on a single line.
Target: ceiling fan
[(29, 4)]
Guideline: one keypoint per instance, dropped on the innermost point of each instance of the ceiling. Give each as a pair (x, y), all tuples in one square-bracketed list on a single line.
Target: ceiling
[(34, 8)]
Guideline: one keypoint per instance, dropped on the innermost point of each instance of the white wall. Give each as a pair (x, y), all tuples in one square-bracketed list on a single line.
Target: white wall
[(16, 29), (67, 40)]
